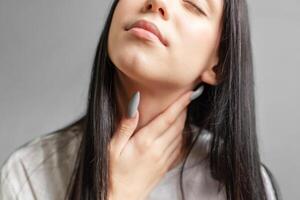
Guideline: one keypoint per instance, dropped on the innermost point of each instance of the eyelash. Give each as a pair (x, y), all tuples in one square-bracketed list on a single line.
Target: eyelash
[(195, 6)]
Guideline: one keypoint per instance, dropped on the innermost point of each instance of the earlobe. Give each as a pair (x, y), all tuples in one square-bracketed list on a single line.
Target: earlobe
[(209, 77)]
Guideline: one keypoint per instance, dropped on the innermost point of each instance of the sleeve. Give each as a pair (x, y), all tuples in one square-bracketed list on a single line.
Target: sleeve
[(268, 184), (7, 189)]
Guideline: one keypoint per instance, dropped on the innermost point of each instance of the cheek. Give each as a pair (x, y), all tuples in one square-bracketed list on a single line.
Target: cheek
[(116, 31), (198, 44), (192, 53)]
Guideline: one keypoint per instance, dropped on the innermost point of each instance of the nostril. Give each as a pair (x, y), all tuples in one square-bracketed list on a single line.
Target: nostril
[(149, 6), (162, 11)]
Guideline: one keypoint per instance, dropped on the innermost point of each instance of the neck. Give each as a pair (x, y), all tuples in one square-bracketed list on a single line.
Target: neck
[(153, 101)]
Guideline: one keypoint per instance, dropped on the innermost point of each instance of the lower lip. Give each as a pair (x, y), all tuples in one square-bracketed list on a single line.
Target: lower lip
[(144, 34)]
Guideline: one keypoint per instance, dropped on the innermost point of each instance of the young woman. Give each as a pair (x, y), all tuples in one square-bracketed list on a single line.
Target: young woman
[(146, 134)]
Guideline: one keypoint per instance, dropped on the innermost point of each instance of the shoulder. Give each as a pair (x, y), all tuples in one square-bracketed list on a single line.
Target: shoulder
[(268, 182), (39, 159), (203, 145)]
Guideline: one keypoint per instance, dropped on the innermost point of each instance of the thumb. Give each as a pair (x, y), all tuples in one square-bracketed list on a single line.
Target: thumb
[(128, 124)]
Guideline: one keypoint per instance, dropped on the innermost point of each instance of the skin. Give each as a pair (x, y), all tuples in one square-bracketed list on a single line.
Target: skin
[(163, 73), (160, 73)]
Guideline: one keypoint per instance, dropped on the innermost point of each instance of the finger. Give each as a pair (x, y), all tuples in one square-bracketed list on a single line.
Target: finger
[(127, 125), (172, 147), (174, 155), (164, 120), (167, 138)]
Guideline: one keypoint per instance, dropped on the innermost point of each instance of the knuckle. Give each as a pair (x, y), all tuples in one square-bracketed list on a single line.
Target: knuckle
[(167, 121), (156, 154), (142, 144), (124, 128)]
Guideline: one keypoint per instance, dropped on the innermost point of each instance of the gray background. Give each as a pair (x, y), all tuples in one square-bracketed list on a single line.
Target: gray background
[(46, 53)]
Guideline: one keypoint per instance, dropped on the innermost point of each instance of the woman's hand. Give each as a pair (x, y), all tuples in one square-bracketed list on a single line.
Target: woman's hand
[(138, 162)]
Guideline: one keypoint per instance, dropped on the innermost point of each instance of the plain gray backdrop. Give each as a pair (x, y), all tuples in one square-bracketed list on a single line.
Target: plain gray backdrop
[(46, 53)]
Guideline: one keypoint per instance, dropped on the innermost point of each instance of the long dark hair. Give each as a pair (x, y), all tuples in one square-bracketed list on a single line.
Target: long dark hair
[(227, 110)]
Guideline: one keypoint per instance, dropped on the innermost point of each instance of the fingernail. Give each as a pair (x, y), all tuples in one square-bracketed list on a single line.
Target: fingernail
[(197, 93), (133, 105)]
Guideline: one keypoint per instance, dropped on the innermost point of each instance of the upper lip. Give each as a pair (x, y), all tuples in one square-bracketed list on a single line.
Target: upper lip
[(149, 26)]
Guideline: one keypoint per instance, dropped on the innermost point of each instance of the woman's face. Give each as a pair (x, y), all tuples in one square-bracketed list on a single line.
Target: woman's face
[(192, 38)]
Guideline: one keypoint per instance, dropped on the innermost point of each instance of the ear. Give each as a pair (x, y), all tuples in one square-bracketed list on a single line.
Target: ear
[(209, 76)]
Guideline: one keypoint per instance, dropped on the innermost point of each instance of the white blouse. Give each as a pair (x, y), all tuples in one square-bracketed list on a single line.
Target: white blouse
[(41, 169)]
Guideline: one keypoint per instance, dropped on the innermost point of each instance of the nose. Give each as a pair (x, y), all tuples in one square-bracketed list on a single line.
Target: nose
[(157, 5)]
